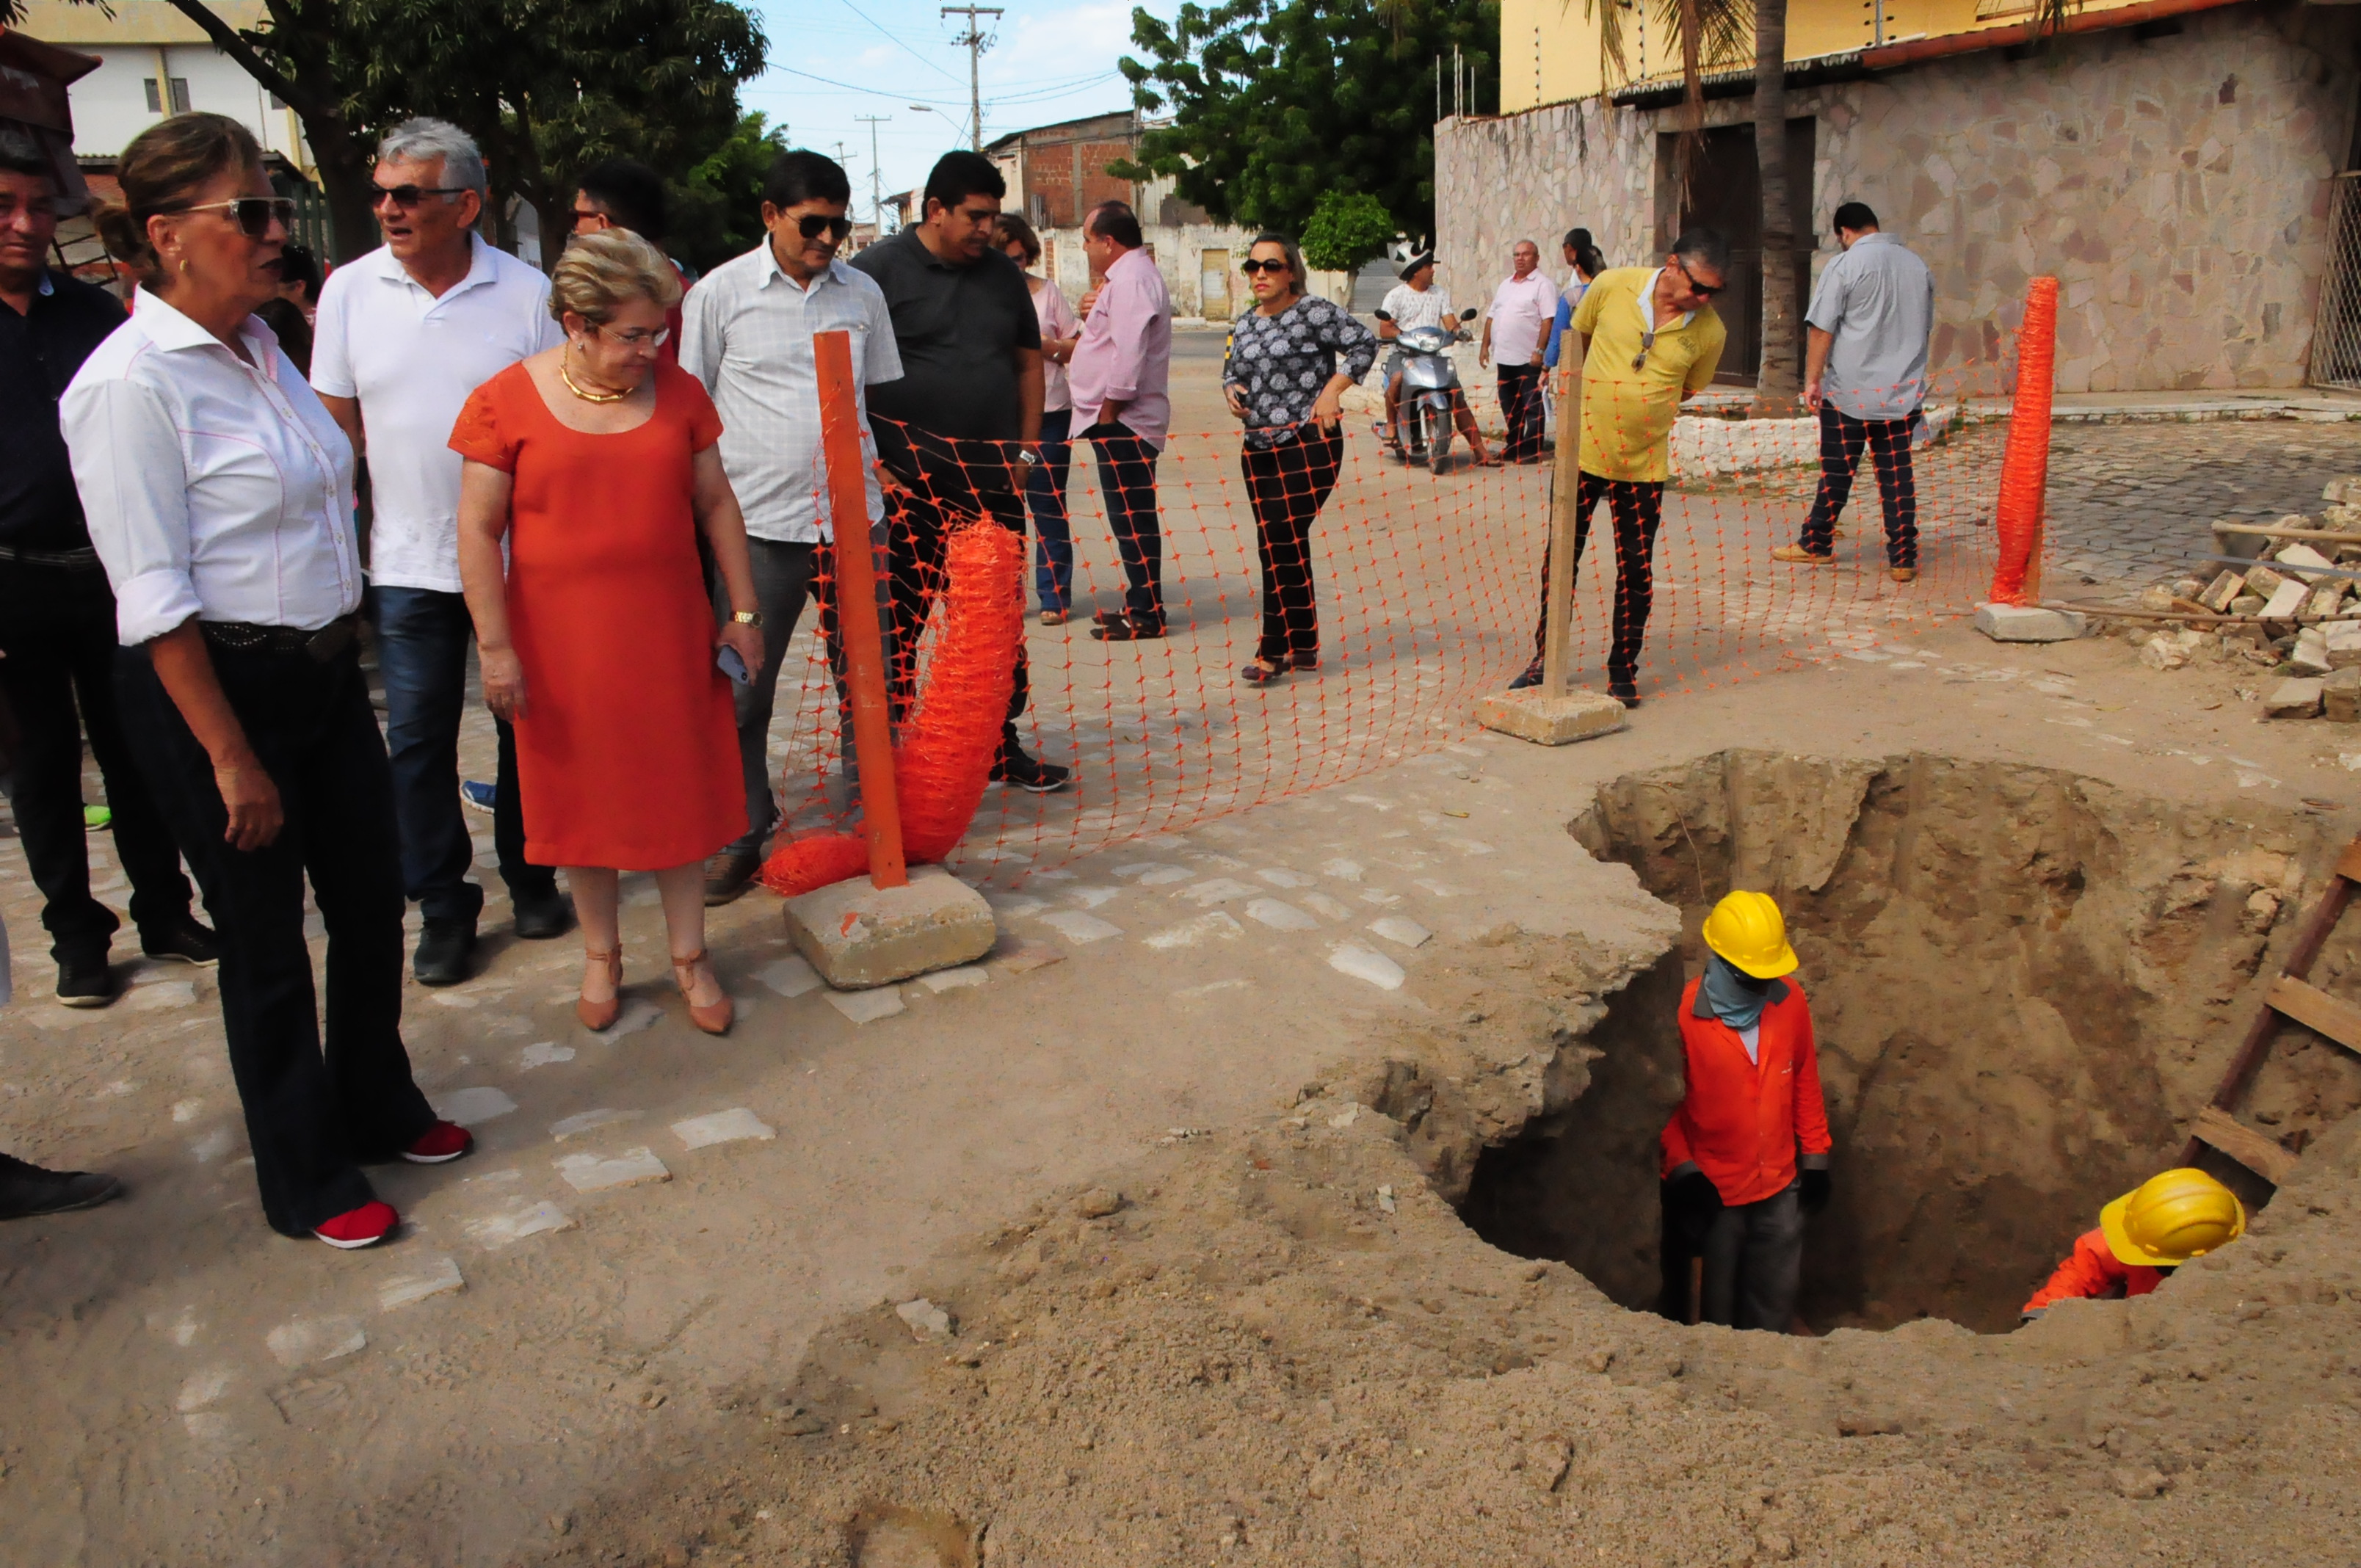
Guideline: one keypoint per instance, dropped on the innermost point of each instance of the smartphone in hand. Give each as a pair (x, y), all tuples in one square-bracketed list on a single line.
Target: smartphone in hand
[(730, 664)]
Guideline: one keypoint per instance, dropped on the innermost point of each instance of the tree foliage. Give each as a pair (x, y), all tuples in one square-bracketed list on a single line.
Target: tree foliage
[(1346, 228), (717, 208), (1276, 104)]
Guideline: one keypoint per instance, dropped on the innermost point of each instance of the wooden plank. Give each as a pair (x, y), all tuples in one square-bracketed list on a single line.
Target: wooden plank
[(2316, 1010), (2243, 1144), (2348, 864)]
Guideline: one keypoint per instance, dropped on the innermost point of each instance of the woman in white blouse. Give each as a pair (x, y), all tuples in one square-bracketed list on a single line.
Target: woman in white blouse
[(219, 497), (1045, 487)]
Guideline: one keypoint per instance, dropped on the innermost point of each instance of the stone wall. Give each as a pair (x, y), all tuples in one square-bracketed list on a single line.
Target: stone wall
[(2177, 186)]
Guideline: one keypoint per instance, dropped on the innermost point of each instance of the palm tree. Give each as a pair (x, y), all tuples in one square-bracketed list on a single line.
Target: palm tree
[(1775, 384)]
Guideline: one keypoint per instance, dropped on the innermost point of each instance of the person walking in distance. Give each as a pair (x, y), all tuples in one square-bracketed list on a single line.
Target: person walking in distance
[(1045, 487), (1865, 375), (1515, 328), (624, 194), (1648, 341), (748, 339), (403, 335), (1122, 369), (56, 616), (1746, 1155), (1290, 360), (962, 426), (219, 493)]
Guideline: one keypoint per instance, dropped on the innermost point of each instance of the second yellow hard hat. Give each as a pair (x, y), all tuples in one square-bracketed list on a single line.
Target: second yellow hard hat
[(2169, 1219), (1745, 927)]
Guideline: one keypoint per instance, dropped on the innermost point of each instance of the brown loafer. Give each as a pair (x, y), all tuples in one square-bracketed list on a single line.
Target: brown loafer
[(729, 872), (1903, 574), (1797, 553)]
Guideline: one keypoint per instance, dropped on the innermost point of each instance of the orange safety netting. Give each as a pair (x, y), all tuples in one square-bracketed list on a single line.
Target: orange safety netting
[(1425, 593), (2025, 470)]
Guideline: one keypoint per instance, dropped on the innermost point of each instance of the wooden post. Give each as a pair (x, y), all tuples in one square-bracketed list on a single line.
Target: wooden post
[(856, 607), (1566, 488)]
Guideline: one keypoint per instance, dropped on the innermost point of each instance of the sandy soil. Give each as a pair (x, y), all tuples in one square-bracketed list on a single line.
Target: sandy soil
[(1249, 1344)]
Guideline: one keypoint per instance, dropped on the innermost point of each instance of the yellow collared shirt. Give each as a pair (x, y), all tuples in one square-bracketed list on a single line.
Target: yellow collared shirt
[(1626, 414)]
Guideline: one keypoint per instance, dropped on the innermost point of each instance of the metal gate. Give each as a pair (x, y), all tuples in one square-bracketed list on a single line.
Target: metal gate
[(2336, 333)]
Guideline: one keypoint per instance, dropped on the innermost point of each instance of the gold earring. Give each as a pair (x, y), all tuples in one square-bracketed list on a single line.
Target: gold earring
[(184, 266)]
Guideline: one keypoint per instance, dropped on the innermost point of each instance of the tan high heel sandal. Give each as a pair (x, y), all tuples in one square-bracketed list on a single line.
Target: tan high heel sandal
[(597, 1015), (714, 1019)]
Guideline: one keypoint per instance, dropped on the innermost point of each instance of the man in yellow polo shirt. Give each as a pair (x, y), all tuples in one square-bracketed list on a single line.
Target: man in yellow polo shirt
[(1651, 340)]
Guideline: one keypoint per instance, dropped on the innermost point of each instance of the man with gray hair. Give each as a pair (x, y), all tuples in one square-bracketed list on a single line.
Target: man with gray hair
[(1515, 330), (405, 335)]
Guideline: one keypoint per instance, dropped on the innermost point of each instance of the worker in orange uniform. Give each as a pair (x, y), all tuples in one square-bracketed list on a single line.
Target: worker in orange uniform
[(2144, 1235), (1746, 1157)]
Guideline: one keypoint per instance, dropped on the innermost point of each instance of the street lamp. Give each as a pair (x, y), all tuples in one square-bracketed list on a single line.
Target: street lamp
[(929, 109)]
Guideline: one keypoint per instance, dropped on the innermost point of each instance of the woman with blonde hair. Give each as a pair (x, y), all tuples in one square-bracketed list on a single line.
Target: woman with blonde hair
[(598, 466), (220, 498)]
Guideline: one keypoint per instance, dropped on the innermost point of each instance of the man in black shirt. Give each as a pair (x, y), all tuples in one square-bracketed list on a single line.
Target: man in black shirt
[(57, 615), (966, 415)]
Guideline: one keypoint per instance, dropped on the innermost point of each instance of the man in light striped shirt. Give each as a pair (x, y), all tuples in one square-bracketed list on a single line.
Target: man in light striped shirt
[(747, 334)]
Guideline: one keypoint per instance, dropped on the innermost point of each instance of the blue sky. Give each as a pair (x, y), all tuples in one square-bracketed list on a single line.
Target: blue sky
[(834, 60)]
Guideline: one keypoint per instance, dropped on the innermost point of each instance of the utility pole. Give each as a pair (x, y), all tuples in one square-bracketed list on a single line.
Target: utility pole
[(876, 184), (976, 43)]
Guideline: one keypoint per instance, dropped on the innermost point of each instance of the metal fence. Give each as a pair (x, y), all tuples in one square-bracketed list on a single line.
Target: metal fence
[(2336, 334)]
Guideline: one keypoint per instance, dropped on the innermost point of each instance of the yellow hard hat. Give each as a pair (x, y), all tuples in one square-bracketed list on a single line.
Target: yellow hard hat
[(2169, 1219), (1745, 929)]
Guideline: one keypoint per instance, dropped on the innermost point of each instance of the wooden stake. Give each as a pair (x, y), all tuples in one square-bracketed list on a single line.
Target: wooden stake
[(1565, 489)]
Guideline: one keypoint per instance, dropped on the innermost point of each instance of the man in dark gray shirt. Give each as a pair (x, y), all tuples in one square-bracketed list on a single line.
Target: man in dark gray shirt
[(966, 415), (1865, 375)]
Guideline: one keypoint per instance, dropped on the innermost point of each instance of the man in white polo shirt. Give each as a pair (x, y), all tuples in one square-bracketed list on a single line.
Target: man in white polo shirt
[(405, 335), (747, 334), (1515, 330)]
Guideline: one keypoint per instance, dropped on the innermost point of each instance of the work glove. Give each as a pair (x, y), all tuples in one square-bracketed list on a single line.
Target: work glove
[(1694, 1201), (1815, 1195)]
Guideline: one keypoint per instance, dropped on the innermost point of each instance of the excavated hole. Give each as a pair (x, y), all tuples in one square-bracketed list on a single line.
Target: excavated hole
[(2023, 980)]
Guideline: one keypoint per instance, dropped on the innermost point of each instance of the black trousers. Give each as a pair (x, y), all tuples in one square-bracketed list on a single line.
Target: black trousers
[(318, 1104), (1754, 1262), (948, 482), (1636, 508), (1287, 485), (1842, 440), (1521, 406), (57, 628), (1128, 482)]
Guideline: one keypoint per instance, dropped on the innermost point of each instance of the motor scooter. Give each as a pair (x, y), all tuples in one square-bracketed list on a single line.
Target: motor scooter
[(1432, 401)]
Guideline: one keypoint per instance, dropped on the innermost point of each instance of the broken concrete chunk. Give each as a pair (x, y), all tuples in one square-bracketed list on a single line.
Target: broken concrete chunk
[(2327, 599), (434, 1277), (2310, 655), (2344, 488), (2248, 604), (1362, 963), (1552, 720), (925, 1320), (2340, 696), (603, 1173), (2344, 645), (2295, 698), (859, 936), (1402, 930), (2262, 580), (2027, 623), (306, 1341), (721, 1127), (2157, 596), (2302, 561), (2286, 601), (2162, 651), (2226, 587)]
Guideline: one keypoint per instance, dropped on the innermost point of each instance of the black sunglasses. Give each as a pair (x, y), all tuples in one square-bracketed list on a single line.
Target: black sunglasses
[(1708, 290), (253, 214), (410, 195), (811, 225), (1250, 265)]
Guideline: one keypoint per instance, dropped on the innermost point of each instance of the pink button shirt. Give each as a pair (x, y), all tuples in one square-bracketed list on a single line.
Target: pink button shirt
[(1126, 354)]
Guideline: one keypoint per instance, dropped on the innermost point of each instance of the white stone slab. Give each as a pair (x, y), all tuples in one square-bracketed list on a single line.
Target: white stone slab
[(1363, 963), (543, 1053), (583, 1122), (305, 1342), (604, 1173), (433, 1277), (1220, 890), (1402, 928), (514, 1221), (866, 1006), (637, 1014), (789, 976), (1281, 876), (1090, 897), (160, 995), (1218, 925), (1078, 927), (1342, 869), (1280, 915), (470, 1107), (2027, 623), (721, 1127), (956, 979), (1162, 875), (202, 1388), (1327, 908)]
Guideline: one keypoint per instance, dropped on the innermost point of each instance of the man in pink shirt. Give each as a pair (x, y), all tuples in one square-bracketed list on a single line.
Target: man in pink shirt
[(1119, 374), (1515, 330)]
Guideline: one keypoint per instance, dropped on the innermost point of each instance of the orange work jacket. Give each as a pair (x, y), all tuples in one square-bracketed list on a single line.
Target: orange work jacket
[(1742, 1122), (2093, 1270)]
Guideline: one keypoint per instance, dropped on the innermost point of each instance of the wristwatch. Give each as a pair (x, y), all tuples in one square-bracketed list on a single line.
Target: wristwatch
[(1027, 457), (747, 617)]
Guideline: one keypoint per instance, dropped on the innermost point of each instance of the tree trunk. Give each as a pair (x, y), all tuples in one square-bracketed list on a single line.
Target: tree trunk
[(1776, 386)]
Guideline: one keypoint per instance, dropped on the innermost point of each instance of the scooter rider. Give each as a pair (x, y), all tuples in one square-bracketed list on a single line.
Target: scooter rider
[(1414, 302)]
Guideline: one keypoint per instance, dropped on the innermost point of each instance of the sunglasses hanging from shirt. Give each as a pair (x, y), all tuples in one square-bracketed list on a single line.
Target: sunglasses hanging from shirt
[(253, 214)]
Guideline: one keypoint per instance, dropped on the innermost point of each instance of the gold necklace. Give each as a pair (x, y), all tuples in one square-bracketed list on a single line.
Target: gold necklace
[(586, 397)]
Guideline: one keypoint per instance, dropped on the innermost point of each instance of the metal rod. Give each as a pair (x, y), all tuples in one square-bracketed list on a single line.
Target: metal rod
[(2289, 570)]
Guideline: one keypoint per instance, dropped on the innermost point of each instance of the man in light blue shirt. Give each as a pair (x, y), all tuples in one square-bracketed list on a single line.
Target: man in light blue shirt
[(1865, 375)]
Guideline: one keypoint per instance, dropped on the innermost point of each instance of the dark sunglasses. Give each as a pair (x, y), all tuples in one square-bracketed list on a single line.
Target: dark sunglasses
[(811, 225), (1250, 265), (1708, 290), (407, 196), (253, 214)]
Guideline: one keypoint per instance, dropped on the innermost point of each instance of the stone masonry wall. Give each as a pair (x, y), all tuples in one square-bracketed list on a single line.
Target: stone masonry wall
[(2177, 187)]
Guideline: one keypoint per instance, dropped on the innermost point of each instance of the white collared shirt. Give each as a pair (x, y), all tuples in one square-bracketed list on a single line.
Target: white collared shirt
[(746, 333), (213, 487), (1522, 309), (412, 359)]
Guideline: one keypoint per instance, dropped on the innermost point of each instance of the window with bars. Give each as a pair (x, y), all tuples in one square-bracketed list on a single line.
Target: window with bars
[(178, 88)]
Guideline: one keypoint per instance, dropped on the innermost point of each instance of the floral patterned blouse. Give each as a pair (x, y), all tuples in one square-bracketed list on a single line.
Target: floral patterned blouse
[(1280, 363)]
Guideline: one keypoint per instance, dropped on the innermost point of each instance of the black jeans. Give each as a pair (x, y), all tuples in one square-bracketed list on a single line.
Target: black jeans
[(1128, 482), (317, 1108), (1842, 438), (1287, 485), (1753, 1262), (951, 481), (56, 627), (1636, 506), (1521, 408), (784, 578), (424, 635)]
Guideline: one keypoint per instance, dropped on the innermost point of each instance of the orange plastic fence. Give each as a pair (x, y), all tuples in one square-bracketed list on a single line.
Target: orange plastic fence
[(2025, 471)]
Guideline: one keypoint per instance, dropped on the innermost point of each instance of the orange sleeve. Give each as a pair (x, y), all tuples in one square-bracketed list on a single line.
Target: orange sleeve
[(1811, 1109), (477, 436), (2089, 1273)]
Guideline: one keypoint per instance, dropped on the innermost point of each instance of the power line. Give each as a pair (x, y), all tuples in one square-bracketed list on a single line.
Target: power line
[(935, 66), (976, 43)]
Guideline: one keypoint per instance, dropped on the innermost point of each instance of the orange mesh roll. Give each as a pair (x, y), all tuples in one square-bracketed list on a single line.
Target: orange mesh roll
[(2024, 468)]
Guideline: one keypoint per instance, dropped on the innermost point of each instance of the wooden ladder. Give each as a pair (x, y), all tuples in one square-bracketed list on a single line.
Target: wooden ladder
[(2291, 997)]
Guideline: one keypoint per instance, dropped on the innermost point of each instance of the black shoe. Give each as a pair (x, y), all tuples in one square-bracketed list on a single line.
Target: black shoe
[(1013, 767), (729, 874), (1624, 692), (85, 982), (544, 915), (443, 948), (28, 1190), (184, 941), (1531, 677)]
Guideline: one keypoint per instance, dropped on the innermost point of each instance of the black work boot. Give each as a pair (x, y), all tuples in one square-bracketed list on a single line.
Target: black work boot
[(443, 949), (28, 1190)]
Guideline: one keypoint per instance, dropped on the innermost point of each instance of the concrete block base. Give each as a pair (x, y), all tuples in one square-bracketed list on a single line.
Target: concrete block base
[(2027, 623), (858, 935), (1551, 720)]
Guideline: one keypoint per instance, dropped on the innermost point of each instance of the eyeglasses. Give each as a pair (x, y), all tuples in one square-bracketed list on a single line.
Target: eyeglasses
[(1708, 290), (639, 338), (407, 196), (811, 225), (591, 216), (253, 214), (1250, 265)]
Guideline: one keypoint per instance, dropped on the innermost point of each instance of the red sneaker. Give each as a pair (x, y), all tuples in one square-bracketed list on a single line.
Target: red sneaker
[(365, 1226), (443, 1141)]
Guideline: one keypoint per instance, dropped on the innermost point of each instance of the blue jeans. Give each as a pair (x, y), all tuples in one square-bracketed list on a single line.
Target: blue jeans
[(1045, 495), (422, 639)]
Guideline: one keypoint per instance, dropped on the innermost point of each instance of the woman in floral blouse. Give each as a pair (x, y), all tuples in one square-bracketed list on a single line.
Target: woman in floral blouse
[(1283, 379)]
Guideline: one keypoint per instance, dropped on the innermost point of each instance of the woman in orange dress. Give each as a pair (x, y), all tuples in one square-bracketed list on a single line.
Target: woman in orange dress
[(598, 467)]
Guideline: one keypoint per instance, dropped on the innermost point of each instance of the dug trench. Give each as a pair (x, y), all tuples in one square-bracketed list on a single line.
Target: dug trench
[(1391, 1322)]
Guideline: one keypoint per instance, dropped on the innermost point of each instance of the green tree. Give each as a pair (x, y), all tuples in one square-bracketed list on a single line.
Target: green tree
[(717, 207), (1346, 228), (1275, 104)]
